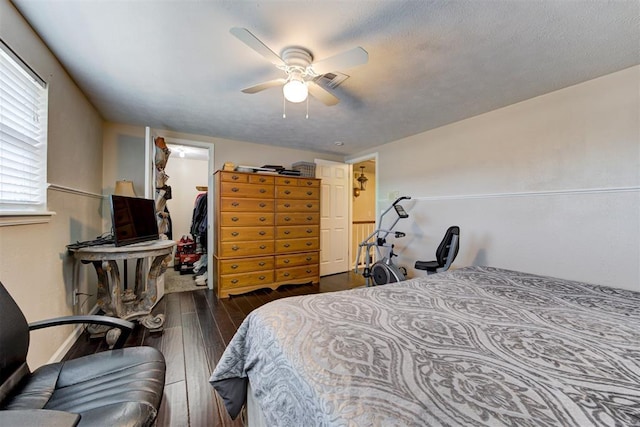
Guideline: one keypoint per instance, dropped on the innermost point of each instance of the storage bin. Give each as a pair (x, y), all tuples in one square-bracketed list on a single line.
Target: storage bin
[(307, 169)]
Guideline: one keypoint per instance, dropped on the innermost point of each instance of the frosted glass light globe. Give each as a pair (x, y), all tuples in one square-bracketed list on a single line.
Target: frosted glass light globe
[(295, 91)]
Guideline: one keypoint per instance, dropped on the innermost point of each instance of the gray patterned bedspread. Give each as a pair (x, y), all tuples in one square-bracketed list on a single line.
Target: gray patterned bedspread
[(478, 346)]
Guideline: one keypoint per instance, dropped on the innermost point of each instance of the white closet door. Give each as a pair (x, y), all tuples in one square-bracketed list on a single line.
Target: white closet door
[(334, 216)]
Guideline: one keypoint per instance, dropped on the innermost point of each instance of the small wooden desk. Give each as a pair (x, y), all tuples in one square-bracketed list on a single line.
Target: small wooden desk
[(129, 304)]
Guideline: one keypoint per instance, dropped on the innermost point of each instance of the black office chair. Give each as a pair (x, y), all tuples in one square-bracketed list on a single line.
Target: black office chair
[(445, 254), (120, 387)]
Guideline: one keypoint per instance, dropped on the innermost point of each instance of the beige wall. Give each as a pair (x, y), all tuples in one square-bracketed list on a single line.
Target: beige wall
[(550, 185), (34, 265)]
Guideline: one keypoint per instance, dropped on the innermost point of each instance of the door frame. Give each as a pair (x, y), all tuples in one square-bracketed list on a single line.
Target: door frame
[(150, 135), (351, 162)]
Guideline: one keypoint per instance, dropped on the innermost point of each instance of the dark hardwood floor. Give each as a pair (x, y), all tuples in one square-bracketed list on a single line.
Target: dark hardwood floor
[(197, 329)]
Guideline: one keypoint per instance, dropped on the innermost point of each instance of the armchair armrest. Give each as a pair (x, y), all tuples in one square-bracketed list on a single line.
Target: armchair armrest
[(125, 326), (38, 417)]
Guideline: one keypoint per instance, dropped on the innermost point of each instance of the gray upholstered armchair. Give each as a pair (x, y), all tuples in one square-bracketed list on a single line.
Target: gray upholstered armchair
[(119, 387)]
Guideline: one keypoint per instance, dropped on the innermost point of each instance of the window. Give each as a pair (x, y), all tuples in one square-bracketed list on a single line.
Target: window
[(23, 137)]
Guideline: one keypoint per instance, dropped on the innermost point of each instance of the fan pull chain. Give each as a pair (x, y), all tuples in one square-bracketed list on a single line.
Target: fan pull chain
[(284, 108), (307, 116)]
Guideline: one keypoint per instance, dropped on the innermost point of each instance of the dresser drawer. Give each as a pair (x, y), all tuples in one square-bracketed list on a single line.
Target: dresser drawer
[(297, 218), (233, 176), (286, 181), (235, 219), (239, 234), (256, 191), (245, 265), (308, 272), (294, 260), (298, 206), (311, 193), (297, 245), (261, 179), (246, 205), (241, 249), (297, 231), (230, 281), (299, 182)]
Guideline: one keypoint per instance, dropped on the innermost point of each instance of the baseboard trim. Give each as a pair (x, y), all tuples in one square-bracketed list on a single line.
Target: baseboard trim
[(70, 341)]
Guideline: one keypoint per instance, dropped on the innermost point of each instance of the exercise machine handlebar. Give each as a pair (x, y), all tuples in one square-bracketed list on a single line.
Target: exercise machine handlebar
[(399, 199)]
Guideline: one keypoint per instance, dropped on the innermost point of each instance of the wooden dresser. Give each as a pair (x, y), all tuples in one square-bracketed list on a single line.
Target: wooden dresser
[(267, 231)]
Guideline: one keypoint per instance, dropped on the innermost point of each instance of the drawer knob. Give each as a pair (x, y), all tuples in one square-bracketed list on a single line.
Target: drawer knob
[(286, 218), (308, 258), (235, 204), (262, 232), (262, 190), (234, 266), (309, 182), (287, 232), (235, 177), (262, 277), (235, 219), (309, 231), (287, 192), (234, 248), (286, 181), (262, 205), (263, 247), (286, 245), (263, 219), (309, 205), (287, 205), (286, 261), (262, 180), (309, 243), (234, 281), (309, 193), (308, 271), (234, 233), (261, 263), (235, 189), (309, 218), (286, 274)]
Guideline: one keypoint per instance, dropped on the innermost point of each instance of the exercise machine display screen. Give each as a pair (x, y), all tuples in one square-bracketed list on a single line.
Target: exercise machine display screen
[(401, 212)]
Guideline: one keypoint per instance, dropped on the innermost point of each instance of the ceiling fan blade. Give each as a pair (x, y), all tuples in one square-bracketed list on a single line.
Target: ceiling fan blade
[(254, 43), (348, 59), (322, 94), (265, 85)]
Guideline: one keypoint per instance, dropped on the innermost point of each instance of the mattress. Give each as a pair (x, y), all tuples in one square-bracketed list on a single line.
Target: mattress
[(478, 346)]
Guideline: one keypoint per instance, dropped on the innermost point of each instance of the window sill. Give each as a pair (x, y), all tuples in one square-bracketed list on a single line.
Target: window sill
[(24, 218)]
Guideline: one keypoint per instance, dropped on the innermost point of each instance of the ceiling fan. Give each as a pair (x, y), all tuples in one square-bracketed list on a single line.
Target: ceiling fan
[(300, 69)]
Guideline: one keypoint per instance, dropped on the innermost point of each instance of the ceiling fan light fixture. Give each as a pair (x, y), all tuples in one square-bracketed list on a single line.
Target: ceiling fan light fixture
[(295, 90)]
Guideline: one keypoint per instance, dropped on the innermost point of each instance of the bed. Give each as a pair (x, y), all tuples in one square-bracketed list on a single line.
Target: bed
[(478, 346)]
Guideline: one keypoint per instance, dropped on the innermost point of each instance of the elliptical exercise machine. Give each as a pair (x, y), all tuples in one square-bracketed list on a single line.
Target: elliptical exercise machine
[(384, 270)]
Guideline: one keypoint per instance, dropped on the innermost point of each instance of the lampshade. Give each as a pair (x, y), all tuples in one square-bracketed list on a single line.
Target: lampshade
[(295, 90), (124, 188)]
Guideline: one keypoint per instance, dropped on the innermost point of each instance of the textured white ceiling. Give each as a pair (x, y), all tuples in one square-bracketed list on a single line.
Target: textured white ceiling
[(174, 65)]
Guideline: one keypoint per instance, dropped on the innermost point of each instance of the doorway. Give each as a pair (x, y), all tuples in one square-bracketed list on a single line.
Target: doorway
[(186, 156), (363, 202)]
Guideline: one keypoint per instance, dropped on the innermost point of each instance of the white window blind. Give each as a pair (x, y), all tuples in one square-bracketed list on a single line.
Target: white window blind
[(23, 137)]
